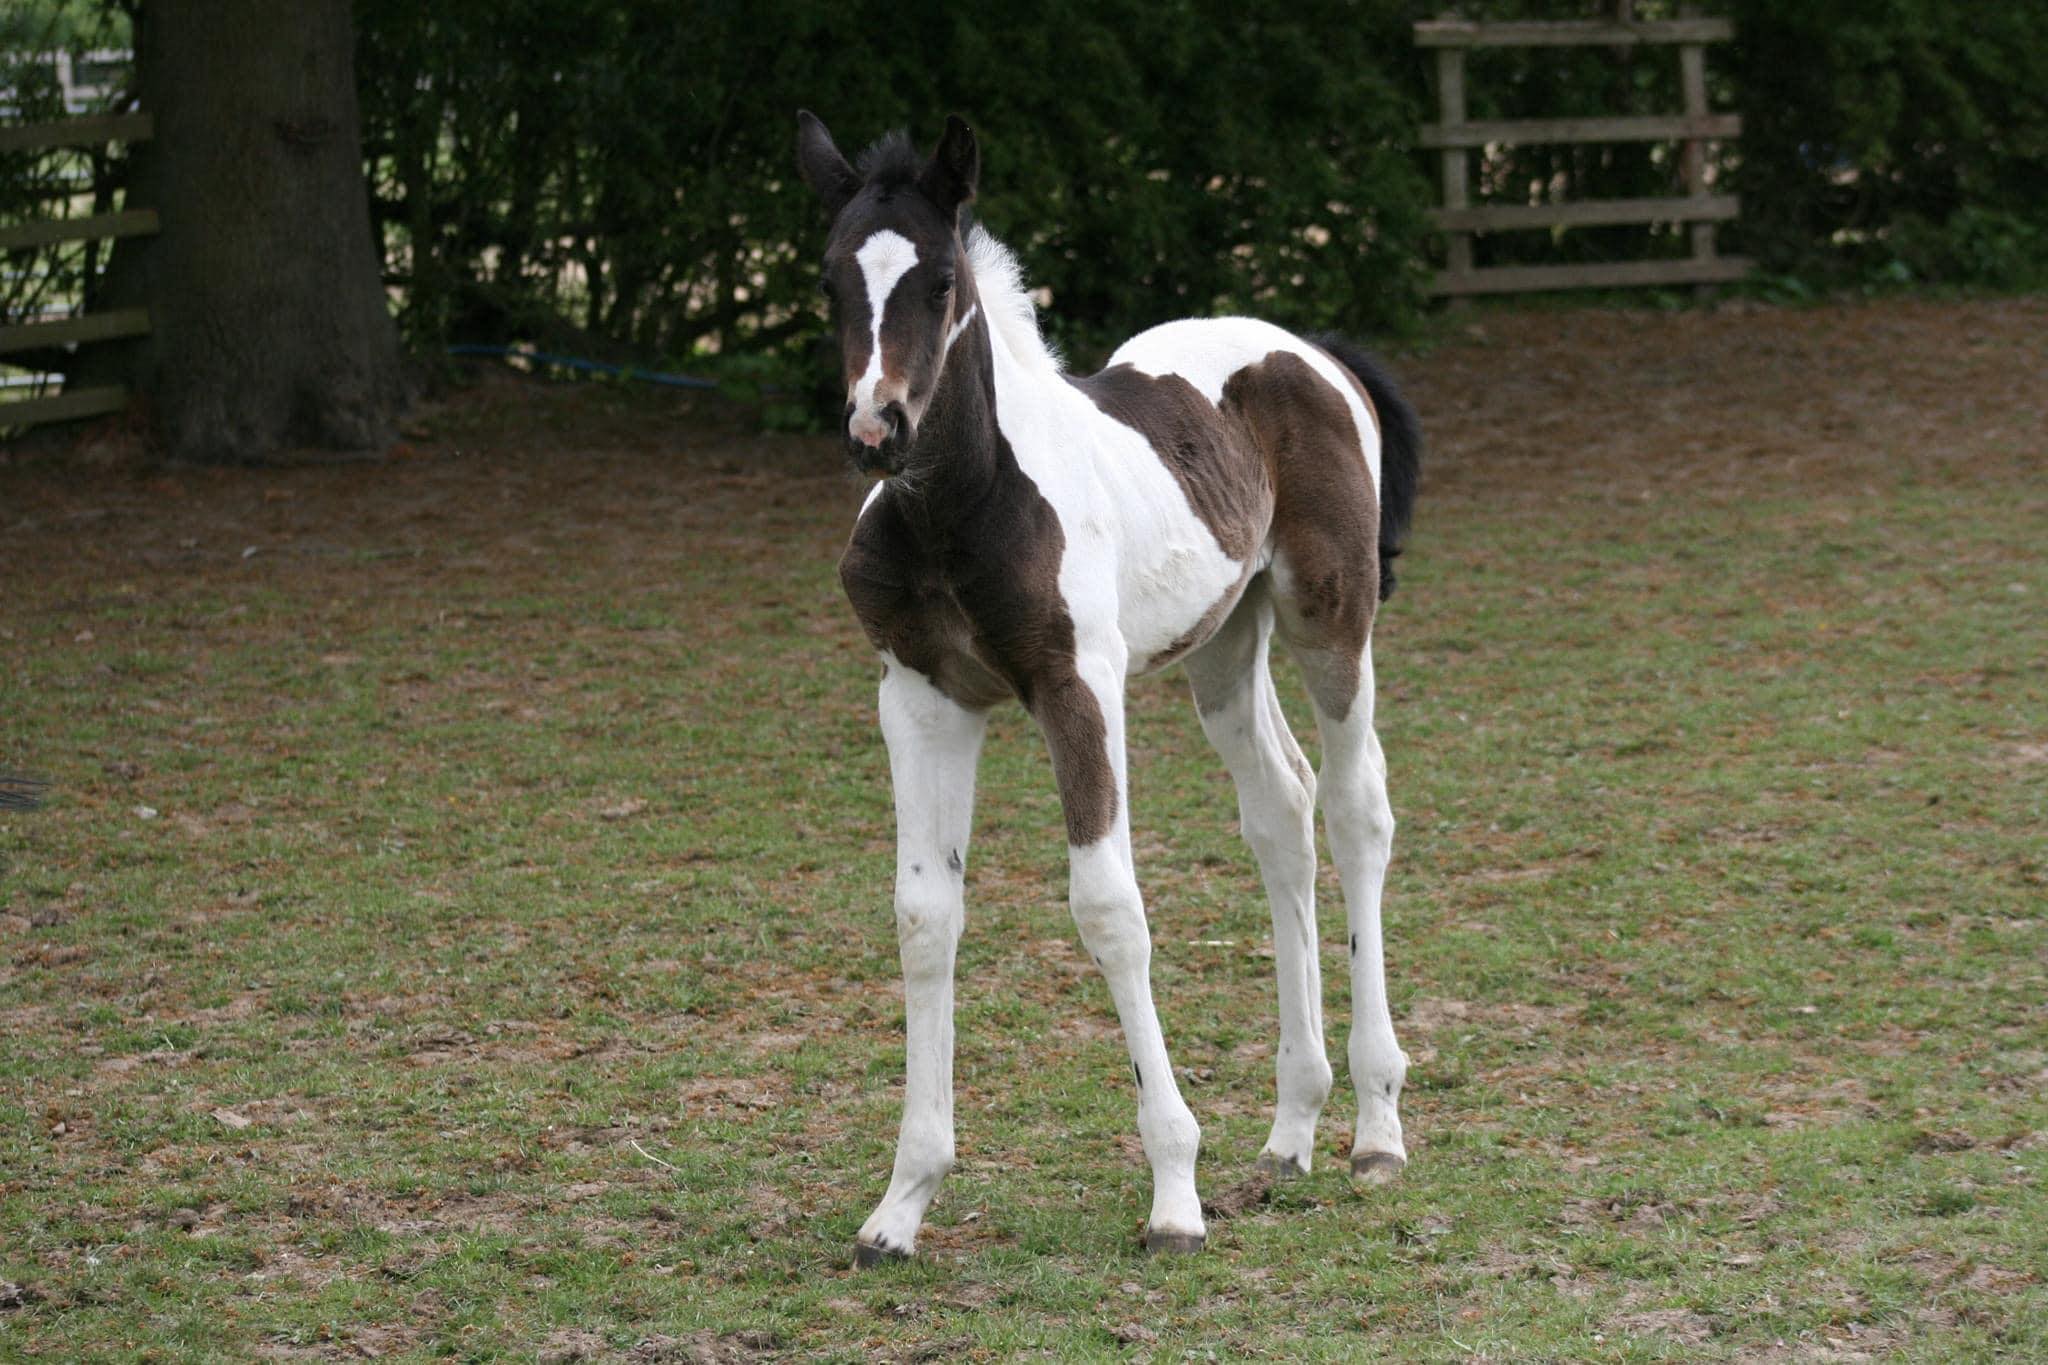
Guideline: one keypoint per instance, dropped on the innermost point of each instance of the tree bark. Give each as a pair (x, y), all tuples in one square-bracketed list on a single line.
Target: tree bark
[(270, 332)]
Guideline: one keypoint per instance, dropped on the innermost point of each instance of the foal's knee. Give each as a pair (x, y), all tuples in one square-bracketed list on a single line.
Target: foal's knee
[(928, 927)]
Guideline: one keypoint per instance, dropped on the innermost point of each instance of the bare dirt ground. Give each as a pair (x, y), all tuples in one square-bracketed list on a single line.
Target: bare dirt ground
[(1516, 405)]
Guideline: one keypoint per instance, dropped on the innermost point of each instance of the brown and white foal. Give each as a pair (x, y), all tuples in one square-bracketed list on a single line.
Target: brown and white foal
[(1041, 536)]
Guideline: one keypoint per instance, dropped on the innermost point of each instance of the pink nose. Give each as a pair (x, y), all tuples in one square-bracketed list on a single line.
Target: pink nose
[(868, 430)]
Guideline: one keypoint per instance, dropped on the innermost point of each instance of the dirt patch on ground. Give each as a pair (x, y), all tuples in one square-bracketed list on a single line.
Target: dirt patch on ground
[(1714, 402), (1638, 404)]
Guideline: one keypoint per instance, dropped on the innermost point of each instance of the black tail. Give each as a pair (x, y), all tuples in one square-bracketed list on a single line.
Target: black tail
[(21, 793), (1400, 450)]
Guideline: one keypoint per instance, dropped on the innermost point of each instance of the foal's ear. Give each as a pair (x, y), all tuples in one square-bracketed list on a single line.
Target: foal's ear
[(948, 180), (824, 169)]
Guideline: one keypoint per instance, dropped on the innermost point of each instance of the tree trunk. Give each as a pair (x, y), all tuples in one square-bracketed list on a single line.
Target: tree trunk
[(270, 331)]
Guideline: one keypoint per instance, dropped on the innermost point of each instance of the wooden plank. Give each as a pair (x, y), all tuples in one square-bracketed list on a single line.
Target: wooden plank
[(128, 223), (1576, 33), (77, 132), (125, 322), (1645, 128), (62, 407), (1697, 208), (1520, 279)]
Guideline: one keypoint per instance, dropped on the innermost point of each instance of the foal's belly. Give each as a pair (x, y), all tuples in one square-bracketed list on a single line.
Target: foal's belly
[(1177, 605)]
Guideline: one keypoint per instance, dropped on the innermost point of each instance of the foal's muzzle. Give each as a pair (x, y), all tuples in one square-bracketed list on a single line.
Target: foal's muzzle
[(878, 444)]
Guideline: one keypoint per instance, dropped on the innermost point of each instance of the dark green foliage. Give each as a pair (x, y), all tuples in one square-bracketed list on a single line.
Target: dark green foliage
[(614, 177), (1176, 159), (1899, 137), (621, 171)]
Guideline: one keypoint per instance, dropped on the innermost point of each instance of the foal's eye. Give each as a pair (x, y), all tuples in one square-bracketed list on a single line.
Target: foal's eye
[(943, 290), (825, 288)]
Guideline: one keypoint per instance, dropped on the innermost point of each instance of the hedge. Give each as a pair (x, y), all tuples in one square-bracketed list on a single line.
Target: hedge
[(614, 177)]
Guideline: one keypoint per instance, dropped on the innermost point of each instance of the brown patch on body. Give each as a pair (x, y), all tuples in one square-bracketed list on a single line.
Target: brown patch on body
[(1216, 464), (1228, 485), (1326, 519), (1277, 454)]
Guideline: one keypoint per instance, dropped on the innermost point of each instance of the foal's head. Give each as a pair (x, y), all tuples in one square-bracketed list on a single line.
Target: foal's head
[(896, 275)]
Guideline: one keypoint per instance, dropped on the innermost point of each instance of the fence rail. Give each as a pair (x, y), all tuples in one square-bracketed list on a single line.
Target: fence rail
[(49, 231), (1454, 135), (1524, 279), (1637, 128), (1704, 208), (1579, 33), (77, 132)]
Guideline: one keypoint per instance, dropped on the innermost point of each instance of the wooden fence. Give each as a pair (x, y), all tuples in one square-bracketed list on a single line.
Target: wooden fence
[(1455, 135), (46, 334)]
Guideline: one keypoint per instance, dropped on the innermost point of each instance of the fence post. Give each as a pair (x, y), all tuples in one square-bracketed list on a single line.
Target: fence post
[(1450, 93), (1692, 70)]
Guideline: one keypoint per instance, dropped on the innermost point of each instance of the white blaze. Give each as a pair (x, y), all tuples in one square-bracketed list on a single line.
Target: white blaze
[(884, 259)]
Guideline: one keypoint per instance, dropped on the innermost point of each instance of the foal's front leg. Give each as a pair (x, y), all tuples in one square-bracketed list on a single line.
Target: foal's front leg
[(1083, 720), (933, 745)]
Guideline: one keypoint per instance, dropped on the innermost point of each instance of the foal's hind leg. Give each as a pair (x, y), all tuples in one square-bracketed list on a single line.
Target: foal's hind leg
[(1360, 823), (1276, 810)]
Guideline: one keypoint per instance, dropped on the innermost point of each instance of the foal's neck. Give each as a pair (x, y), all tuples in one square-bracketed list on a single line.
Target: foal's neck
[(959, 460)]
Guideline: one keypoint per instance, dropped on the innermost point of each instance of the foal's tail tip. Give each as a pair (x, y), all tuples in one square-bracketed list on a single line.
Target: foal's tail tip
[(1400, 450), (21, 792)]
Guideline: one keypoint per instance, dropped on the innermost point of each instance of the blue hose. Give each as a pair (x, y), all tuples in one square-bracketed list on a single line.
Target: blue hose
[(570, 362)]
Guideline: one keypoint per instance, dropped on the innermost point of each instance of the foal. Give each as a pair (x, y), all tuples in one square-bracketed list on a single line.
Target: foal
[(1041, 536)]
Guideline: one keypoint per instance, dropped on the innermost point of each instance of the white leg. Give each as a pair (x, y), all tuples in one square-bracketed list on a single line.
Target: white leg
[(1110, 914), (1276, 810), (1360, 823), (933, 745)]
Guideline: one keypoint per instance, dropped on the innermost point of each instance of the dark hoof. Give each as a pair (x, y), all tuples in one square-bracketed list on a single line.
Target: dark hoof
[(1278, 1166), (1376, 1168), (867, 1255), (1174, 1243)]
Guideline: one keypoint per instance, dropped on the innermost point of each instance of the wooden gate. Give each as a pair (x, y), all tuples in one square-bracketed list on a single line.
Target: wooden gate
[(80, 327), (1459, 218)]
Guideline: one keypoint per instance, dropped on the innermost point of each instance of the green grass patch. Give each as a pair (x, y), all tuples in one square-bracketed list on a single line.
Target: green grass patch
[(460, 927)]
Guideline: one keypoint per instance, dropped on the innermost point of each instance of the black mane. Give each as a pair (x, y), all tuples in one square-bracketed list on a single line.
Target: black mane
[(892, 163)]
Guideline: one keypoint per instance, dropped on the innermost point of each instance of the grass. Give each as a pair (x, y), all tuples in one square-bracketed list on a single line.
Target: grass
[(460, 925)]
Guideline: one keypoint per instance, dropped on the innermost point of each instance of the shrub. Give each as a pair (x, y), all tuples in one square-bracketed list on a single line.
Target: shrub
[(1878, 131), (616, 176)]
